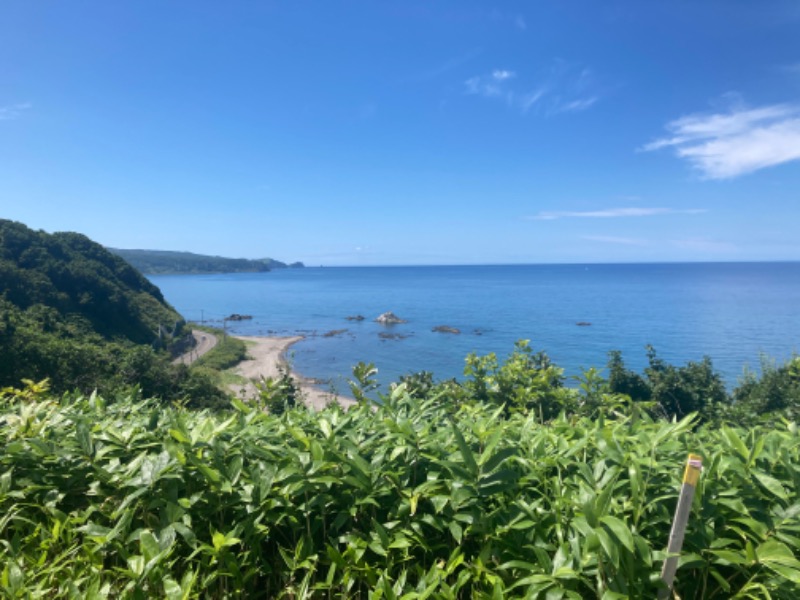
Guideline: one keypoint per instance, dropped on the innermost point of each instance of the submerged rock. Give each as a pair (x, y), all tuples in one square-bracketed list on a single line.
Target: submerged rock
[(446, 329), (391, 336), (389, 318), (583, 323), (334, 332), (355, 318)]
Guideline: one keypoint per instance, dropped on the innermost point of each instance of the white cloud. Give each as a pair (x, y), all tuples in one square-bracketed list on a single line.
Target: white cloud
[(12, 111), (502, 74), (741, 141), (611, 213), (491, 85)]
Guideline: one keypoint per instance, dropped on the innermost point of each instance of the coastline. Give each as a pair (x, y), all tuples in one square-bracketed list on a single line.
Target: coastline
[(267, 358)]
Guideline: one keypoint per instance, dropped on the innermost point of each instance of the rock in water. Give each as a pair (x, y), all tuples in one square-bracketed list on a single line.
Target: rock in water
[(335, 332), (389, 318), (238, 317), (446, 329)]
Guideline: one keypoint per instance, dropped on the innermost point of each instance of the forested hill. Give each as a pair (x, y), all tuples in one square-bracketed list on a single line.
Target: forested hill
[(154, 262), (78, 278), (70, 310)]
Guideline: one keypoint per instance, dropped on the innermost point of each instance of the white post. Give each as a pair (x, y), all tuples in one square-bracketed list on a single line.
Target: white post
[(690, 478)]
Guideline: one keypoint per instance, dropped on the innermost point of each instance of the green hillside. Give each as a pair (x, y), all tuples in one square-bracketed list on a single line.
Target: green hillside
[(74, 313), (165, 261), (78, 278)]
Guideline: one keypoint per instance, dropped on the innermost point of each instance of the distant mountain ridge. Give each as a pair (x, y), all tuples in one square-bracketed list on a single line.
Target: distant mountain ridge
[(163, 262)]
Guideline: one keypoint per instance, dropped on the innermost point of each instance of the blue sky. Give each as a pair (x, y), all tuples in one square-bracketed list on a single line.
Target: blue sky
[(409, 132)]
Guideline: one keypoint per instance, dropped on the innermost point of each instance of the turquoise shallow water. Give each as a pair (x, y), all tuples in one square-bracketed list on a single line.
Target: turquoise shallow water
[(730, 312)]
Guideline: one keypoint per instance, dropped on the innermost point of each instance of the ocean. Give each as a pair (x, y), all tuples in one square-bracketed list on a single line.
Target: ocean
[(735, 313)]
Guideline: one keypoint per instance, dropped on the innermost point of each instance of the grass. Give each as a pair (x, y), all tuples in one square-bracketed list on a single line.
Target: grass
[(228, 352)]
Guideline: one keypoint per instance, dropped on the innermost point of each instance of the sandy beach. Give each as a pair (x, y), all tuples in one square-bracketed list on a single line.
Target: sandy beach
[(267, 355)]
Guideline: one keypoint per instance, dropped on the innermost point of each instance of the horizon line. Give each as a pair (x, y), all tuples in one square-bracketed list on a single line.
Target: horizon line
[(544, 264)]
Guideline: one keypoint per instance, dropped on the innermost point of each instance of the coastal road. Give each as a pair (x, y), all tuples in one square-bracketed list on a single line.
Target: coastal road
[(204, 342)]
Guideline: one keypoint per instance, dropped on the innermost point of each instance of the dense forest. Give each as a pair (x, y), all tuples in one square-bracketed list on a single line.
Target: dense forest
[(74, 313), (155, 262)]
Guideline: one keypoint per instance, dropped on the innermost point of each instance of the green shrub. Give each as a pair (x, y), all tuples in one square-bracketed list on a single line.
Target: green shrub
[(405, 499)]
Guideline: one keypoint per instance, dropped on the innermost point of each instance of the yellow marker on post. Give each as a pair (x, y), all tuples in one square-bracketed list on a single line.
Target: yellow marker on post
[(694, 466)]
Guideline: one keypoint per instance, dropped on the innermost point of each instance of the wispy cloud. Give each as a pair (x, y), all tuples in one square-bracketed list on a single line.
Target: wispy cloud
[(529, 100), (737, 142), (613, 213), (13, 111), (564, 88), (577, 105), (492, 85), (610, 239), (519, 22)]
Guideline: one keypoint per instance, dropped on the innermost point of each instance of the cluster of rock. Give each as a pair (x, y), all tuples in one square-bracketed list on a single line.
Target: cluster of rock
[(389, 318), (238, 317)]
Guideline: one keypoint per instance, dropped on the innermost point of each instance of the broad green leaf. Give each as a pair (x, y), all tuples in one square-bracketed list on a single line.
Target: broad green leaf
[(611, 595), (774, 551), (220, 540), (466, 453), (620, 530), (456, 531), (735, 442), (136, 564), (609, 545), (84, 438), (172, 590), (771, 484), (148, 545)]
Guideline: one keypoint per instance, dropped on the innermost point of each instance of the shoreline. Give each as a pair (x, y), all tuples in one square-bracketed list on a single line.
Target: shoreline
[(267, 357)]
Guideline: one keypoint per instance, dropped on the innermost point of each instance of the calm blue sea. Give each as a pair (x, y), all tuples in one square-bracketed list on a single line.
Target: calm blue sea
[(731, 312)]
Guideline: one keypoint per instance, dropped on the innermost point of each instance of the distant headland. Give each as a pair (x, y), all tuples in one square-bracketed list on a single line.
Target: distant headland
[(168, 262)]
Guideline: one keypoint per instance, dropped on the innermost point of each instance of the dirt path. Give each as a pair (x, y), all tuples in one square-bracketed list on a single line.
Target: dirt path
[(204, 342)]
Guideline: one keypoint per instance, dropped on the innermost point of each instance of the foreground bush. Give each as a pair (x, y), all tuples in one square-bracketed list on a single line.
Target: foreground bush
[(412, 499)]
